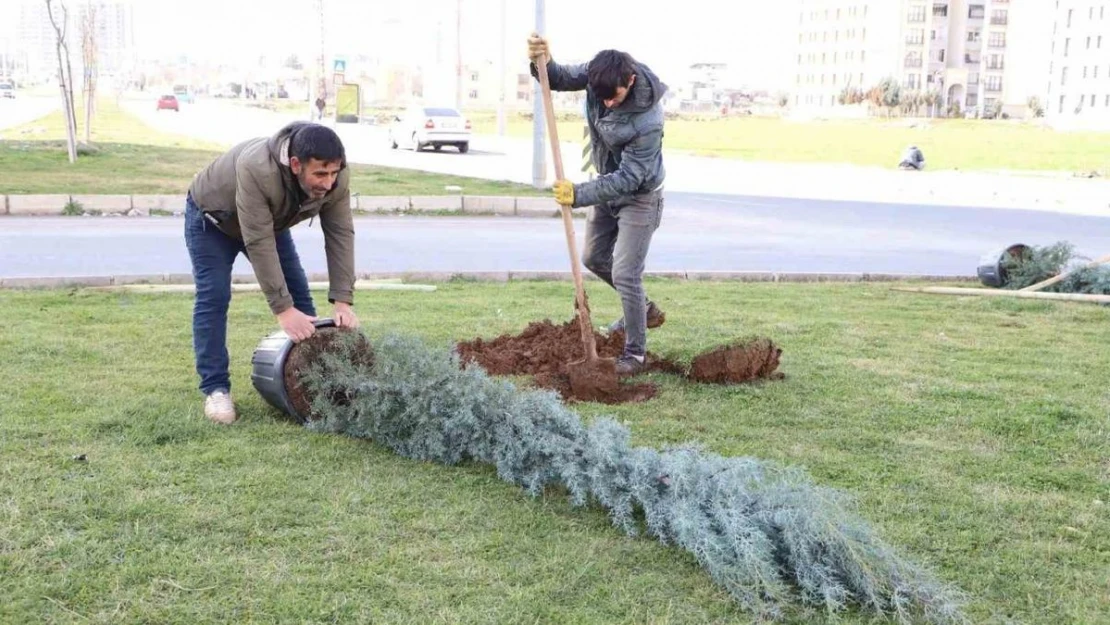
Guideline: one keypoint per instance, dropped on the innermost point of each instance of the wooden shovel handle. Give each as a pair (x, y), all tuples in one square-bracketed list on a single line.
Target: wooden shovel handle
[(584, 322)]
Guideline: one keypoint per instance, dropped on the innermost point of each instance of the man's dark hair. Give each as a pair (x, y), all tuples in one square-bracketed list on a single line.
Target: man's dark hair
[(318, 142), (608, 70)]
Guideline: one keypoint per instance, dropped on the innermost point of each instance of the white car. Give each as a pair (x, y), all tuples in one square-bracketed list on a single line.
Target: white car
[(422, 126), (7, 91)]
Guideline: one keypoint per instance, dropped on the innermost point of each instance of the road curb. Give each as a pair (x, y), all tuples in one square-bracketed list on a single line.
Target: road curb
[(143, 205), (65, 282)]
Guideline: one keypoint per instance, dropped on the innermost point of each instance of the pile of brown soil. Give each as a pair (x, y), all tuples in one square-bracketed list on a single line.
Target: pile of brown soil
[(304, 354), (543, 350)]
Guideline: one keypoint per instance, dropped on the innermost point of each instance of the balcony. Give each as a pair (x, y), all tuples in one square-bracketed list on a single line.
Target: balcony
[(1000, 20), (971, 60), (913, 62)]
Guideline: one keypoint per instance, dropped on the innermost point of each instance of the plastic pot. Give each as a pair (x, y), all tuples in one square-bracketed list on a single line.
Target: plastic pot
[(992, 266), (268, 369)]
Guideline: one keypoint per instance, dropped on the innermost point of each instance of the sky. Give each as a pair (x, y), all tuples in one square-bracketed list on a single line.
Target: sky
[(751, 35)]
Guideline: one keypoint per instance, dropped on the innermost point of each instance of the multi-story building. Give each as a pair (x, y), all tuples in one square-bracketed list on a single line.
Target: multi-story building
[(1078, 94), (956, 49), (114, 35)]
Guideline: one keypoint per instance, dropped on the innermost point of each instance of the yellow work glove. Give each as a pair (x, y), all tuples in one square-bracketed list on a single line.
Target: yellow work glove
[(537, 47), (564, 192)]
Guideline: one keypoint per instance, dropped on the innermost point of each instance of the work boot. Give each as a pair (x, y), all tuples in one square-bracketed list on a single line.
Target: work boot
[(630, 364), (219, 407), (655, 318)]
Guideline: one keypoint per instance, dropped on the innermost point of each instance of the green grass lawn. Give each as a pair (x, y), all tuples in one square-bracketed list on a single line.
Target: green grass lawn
[(133, 158), (947, 144), (973, 433)]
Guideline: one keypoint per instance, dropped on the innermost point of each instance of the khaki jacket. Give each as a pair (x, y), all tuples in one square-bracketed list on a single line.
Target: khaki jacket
[(250, 192)]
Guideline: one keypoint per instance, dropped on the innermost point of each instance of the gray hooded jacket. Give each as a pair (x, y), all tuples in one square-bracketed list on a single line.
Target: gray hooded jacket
[(627, 141)]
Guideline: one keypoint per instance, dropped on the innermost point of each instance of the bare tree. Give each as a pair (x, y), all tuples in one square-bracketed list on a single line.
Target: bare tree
[(65, 74), (88, 48)]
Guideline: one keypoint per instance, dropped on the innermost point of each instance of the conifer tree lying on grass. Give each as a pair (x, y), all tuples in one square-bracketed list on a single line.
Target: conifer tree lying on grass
[(766, 534)]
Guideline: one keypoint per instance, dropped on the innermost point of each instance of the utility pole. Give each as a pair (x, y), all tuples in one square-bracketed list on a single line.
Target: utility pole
[(501, 74), (320, 60), (458, 56), (539, 163)]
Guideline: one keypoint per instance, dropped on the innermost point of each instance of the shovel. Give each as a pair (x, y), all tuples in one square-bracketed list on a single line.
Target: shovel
[(593, 378)]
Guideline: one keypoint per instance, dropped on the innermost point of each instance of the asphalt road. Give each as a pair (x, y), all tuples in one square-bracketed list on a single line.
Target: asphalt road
[(699, 232)]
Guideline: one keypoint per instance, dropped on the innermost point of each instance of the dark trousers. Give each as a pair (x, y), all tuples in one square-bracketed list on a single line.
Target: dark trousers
[(213, 255)]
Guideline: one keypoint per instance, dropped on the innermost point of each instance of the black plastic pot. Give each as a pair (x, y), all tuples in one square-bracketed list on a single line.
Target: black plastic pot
[(268, 369), (992, 266)]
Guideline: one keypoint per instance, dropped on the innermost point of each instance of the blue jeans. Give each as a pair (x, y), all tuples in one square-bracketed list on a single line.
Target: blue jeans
[(213, 255), (618, 236)]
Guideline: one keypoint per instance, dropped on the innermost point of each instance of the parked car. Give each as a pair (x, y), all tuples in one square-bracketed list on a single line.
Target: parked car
[(7, 91), (169, 103), (422, 126)]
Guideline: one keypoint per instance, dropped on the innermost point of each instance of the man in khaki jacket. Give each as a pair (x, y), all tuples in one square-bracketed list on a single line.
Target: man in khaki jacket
[(246, 201)]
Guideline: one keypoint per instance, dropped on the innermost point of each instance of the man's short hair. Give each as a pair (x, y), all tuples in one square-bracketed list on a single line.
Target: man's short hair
[(314, 141), (608, 70)]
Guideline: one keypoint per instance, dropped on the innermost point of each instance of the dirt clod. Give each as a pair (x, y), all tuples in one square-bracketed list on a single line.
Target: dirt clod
[(737, 363)]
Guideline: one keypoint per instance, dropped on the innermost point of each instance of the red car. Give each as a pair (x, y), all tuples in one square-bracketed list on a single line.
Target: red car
[(168, 102)]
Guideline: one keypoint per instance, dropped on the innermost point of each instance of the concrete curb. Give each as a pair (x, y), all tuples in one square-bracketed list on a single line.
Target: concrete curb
[(143, 205), (490, 276)]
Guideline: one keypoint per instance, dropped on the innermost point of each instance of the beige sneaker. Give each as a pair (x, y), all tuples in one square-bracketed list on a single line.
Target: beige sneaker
[(219, 408)]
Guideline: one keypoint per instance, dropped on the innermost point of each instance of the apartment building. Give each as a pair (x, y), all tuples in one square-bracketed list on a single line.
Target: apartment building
[(34, 35), (956, 48), (1078, 92)]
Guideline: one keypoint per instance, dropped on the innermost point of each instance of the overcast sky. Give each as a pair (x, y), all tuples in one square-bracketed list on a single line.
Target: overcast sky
[(753, 36)]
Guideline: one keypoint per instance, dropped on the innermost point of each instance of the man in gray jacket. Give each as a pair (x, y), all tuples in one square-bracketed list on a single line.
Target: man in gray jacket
[(245, 202), (625, 117)]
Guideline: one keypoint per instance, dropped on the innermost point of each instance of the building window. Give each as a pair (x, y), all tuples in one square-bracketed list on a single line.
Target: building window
[(940, 55), (972, 99), (1093, 100), (1063, 76), (913, 59), (915, 36), (1088, 43), (975, 12), (940, 10), (974, 35), (1067, 46), (996, 61), (916, 15), (973, 78), (999, 17), (1108, 100), (913, 81), (473, 94), (1062, 98), (1084, 71), (997, 40), (994, 83), (1070, 13)]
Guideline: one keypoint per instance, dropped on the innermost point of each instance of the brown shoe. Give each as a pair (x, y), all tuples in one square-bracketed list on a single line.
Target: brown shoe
[(219, 408), (628, 365), (655, 318)]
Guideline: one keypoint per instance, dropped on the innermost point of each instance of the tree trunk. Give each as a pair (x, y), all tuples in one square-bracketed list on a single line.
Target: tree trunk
[(64, 79), (89, 54)]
